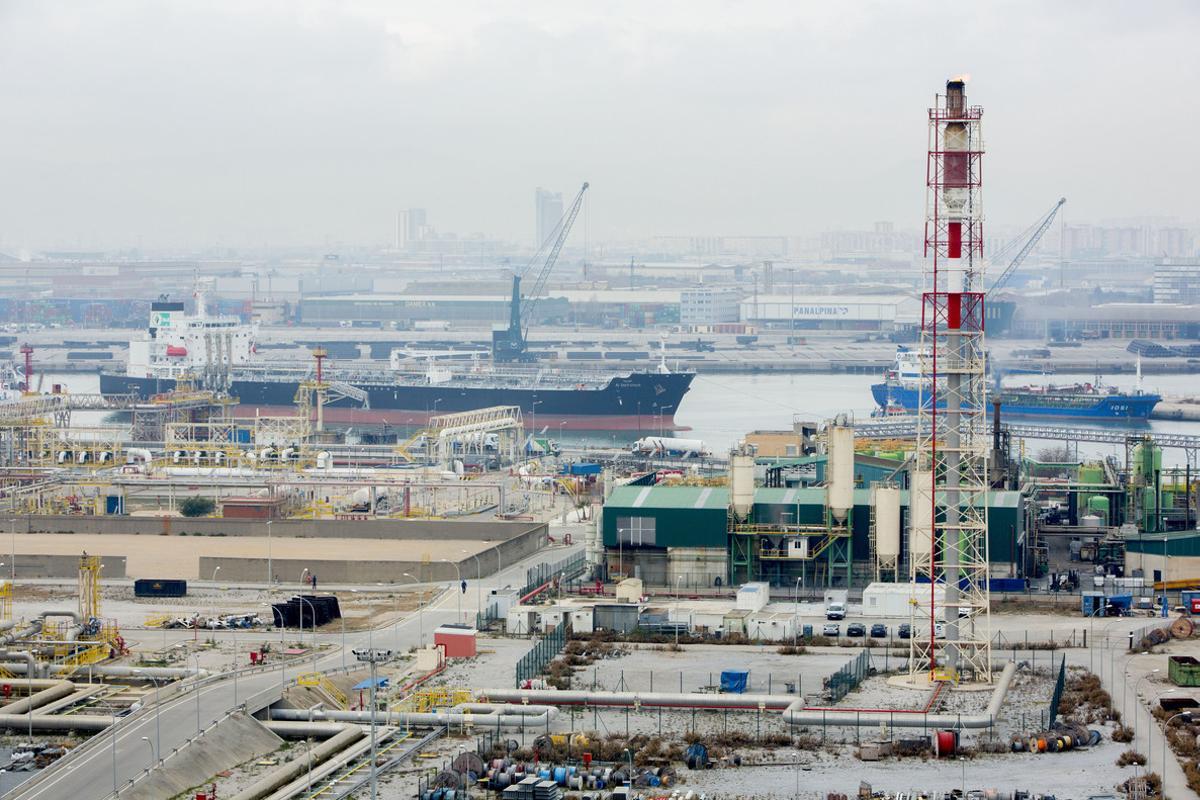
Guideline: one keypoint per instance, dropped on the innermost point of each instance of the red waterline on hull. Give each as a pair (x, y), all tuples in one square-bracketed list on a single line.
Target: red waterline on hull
[(646, 423)]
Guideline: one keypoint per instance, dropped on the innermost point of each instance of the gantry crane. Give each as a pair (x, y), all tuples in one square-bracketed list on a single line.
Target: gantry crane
[(1038, 229), (510, 344)]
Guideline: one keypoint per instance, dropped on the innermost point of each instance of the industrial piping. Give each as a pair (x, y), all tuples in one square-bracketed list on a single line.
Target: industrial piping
[(793, 713), (481, 715), (901, 718), (292, 769)]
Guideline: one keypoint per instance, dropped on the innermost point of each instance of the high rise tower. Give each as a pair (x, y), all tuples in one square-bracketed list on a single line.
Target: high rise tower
[(548, 210), (950, 483)]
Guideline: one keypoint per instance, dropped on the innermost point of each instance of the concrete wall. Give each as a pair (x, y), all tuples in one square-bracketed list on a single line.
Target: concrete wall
[(474, 530), (338, 571), (59, 566)]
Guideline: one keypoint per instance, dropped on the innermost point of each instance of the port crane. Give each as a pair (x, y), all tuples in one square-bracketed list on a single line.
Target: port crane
[(1034, 233), (510, 344)]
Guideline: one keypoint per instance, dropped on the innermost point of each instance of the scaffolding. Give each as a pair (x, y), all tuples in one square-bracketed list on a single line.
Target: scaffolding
[(149, 420), (952, 442)]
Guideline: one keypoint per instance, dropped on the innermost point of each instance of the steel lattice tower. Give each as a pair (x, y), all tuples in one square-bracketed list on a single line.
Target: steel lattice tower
[(949, 545)]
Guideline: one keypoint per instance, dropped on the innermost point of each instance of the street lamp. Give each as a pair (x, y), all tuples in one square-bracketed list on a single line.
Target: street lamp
[(214, 575), (678, 580), (420, 609), (629, 753), (458, 587), (1149, 724), (1136, 686), (373, 657), (153, 752), (13, 528), (157, 710), (312, 623), (796, 612), (275, 611), (1187, 715), (270, 574), (478, 583)]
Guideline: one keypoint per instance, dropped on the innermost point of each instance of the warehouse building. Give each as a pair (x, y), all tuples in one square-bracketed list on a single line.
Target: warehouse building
[(883, 313)]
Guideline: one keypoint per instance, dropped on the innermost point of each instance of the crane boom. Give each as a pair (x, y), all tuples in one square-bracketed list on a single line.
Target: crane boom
[(509, 344), (1039, 229), (564, 229)]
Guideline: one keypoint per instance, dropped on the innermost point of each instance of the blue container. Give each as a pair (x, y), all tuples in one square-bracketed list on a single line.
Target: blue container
[(734, 680), (1093, 604)]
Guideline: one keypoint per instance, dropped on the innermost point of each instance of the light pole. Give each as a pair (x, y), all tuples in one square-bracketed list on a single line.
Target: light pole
[(1149, 725), (303, 572), (13, 528), (214, 575), (275, 611), (270, 574), (1167, 738), (153, 752), (114, 748), (458, 586), (420, 610), (197, 657), (629, 753), (1136, 686), (478, 584), (796, 613), (678, 580), (157, 710), (373, 657), (312, 623)]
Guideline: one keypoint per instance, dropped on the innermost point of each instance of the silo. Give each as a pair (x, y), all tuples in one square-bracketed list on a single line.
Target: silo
[(741, 484), (920, 514), (887, 523), (839, 475)]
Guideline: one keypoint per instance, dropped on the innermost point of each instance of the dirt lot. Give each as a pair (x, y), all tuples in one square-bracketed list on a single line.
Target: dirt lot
[(179, 556)]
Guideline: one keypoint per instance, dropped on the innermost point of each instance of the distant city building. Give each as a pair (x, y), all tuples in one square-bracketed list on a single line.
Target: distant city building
[(709, 306), (1177, 283), (548, 210), (410, 227)]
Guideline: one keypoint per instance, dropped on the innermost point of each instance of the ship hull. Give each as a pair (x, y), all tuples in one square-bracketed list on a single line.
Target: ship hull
[(640, 401), (1101, 408)]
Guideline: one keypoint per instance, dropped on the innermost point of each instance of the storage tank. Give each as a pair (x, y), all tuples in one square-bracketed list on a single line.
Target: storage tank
[(839, 476), (1090, 521), (887, 521), (741, 484), (920, 513)]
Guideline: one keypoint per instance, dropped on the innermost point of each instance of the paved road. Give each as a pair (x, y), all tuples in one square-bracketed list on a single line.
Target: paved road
[(93, 774)]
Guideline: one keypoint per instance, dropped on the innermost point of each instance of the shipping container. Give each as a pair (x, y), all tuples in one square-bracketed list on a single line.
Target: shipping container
[(159, 587)]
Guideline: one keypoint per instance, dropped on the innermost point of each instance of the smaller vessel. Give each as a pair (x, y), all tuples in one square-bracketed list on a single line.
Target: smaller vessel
[(904, 391)]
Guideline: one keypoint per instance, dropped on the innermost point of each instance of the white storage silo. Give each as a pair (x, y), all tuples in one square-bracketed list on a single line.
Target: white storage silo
[(741, 484), (839, 474), (887, 522), (920, 514)]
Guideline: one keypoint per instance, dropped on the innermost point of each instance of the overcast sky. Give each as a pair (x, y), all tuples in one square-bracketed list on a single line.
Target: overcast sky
[(179, 123)]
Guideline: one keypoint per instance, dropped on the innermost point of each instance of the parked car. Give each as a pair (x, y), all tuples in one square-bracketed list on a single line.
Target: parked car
[(879, 631), (856, 629), (831, 629), (905, 631)]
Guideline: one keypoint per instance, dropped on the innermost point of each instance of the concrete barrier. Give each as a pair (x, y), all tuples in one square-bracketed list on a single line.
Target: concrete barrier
[(61, 566)]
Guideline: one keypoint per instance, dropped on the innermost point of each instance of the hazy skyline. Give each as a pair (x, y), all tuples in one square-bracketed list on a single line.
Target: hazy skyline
[(190, 124)]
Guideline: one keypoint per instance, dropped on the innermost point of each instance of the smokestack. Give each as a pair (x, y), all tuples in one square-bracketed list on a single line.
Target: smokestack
[(956, 97)]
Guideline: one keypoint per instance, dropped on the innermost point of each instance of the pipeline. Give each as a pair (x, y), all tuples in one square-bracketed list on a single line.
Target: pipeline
[(483, 715), (31, 666), (281, 775), (571, 697), (793, 713), (59, 690), (55, 722), (905, 719), (111, 670), (303, 730)]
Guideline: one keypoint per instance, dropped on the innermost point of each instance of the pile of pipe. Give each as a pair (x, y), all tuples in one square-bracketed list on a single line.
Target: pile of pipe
[(1059, 740)]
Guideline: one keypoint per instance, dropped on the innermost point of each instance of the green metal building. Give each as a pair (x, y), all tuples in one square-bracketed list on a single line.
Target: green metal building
[(647, 525)]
